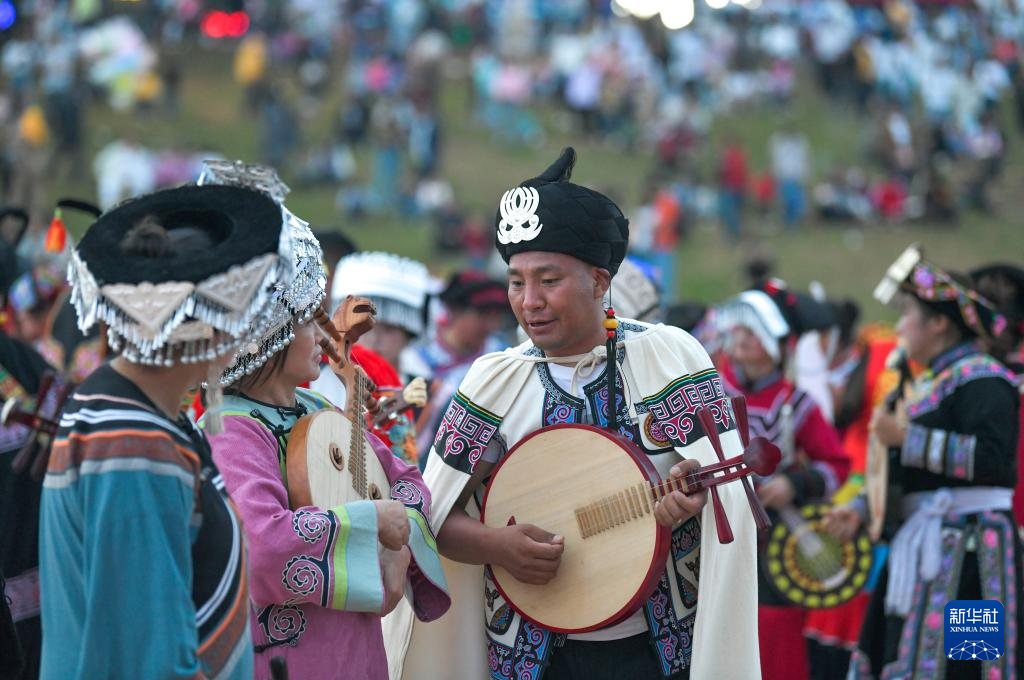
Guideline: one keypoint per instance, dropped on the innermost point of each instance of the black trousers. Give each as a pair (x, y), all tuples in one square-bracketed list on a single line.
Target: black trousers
[(633, 658)]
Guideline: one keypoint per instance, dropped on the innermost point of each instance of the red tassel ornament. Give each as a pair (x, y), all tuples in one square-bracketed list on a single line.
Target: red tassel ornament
[(57, 234)]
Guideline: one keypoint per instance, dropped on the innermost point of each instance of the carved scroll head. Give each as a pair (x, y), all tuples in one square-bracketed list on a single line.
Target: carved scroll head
[(354, 317)]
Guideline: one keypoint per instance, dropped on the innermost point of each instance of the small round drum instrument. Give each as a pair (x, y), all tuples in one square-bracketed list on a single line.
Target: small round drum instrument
[(807, 567), (598, 491)]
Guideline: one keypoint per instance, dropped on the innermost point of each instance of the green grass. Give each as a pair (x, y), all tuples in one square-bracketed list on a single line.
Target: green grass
[(212, 116)]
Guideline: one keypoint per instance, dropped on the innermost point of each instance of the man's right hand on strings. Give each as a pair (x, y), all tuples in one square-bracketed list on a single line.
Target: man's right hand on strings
[(529, 553)]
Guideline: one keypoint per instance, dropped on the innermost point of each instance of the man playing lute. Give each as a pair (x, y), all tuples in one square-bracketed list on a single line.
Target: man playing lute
[(563, 244)]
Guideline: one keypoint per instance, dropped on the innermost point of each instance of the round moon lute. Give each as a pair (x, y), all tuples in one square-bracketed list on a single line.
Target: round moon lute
[(598, 491)]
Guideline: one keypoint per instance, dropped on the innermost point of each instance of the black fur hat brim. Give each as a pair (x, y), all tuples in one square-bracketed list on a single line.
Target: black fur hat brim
[(242, 223)]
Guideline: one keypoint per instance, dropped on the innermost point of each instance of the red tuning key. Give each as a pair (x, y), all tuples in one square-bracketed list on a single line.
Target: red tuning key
[(739, 409), (707, 420)]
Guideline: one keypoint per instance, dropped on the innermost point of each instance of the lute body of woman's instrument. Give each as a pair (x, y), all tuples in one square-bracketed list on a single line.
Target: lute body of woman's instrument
[(876, 473), (598, 491), (807, 566)]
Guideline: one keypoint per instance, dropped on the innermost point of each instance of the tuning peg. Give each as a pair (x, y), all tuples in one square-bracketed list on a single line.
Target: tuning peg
[(325, 322), (707, 420), (761, 519), (739, 409)]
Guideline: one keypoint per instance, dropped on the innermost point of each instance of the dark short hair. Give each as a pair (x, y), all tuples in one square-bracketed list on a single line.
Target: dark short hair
[(949, 309)]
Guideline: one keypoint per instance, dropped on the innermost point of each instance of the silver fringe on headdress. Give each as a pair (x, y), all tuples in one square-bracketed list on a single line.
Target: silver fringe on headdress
[(296, 300)]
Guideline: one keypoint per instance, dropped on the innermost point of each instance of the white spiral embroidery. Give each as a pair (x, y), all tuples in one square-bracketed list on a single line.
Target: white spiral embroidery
[(311, 526), (407, 493), (518, 207)]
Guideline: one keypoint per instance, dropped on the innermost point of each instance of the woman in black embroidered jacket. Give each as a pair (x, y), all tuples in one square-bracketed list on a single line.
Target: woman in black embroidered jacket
[(953, 456)]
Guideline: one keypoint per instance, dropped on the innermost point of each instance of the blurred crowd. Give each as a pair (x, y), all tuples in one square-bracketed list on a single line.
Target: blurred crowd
[(927, 81)]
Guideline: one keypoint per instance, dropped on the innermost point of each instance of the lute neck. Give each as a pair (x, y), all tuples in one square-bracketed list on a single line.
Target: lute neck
[(357, 450), (688, 484)]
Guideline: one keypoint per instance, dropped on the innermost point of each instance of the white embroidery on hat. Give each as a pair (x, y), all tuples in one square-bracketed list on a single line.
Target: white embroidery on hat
[(519, 207)]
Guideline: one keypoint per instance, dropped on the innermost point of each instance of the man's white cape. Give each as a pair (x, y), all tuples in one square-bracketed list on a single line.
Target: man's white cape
[(725, 642)]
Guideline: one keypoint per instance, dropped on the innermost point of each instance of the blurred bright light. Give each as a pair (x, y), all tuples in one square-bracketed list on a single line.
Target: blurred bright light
[(717, 4), (676, 14), (752, 4), (618, 10), (641, 9), (225, 24), (7, 15)]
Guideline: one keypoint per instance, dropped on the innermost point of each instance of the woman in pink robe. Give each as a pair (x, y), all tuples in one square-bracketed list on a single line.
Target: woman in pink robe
[(318, 586)]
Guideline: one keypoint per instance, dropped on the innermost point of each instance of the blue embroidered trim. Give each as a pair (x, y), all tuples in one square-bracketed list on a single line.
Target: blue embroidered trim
[(665, 629), (960, 455), (597, 396), (974, 367), (950, 357), (556, 412), (998, 570), (527, 659), (914, 446), (938, 451)]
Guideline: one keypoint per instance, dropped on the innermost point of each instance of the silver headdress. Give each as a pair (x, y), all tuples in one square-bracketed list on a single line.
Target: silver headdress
[(163, 311), (396, 285), (754, 309), (298, 298)]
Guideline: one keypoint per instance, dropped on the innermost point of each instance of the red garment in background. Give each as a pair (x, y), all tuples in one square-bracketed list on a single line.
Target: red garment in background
[(734, 168), (878, 343), (814, 437), (785, 656), (666, 231), (763, 187), (888, 197), (383, 374), (1005, 51), (784, 653)]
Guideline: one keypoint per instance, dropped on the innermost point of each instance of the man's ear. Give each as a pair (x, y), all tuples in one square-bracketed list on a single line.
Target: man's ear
[(602, 282)]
